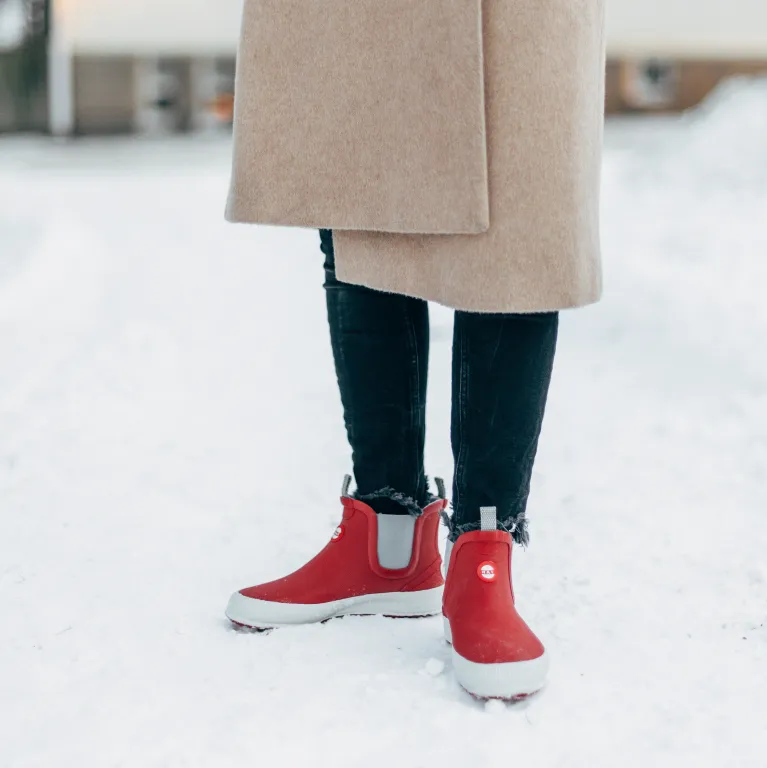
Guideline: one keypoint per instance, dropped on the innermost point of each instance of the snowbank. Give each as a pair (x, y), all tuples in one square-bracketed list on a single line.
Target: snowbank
[(727, 134), (170, 430)]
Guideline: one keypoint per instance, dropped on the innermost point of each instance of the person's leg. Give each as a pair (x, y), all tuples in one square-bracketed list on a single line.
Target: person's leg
[(381, 349), (501, 372), (502, 368), (383, 557)]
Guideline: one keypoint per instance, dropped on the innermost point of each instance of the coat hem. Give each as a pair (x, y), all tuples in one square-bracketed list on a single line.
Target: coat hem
[(507, 308), (237, 214)]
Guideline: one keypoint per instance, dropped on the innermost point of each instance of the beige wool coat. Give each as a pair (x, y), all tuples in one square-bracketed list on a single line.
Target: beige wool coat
[(453, 146)]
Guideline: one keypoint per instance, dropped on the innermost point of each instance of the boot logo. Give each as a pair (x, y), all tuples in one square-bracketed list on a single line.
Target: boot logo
[(487, 571), (338, 534)]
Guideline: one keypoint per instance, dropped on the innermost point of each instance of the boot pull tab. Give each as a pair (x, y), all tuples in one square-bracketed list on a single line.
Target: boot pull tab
[(345, 486), (488, 518)]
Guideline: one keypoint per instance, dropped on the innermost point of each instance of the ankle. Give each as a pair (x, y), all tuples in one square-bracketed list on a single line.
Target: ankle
[(389, 506), (514, 524)]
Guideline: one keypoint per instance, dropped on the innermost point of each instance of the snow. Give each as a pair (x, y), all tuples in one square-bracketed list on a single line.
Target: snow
[(170, 431), (434, 667)]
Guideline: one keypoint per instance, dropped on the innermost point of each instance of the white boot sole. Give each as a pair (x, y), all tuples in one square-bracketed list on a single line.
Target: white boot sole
[(508, 681), (263, 614)]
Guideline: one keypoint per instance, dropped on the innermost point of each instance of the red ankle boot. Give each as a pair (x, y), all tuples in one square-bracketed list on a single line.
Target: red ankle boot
[(495, 654), (373, 564)]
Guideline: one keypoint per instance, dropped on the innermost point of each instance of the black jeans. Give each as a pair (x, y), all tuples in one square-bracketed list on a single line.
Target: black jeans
[(502, 367)]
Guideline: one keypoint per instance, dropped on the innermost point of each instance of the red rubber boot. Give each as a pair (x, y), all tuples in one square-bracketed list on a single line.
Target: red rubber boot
[(495, 654), (347, 577)]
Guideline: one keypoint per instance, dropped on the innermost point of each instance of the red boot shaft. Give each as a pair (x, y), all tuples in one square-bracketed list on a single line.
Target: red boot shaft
[(348, 565)]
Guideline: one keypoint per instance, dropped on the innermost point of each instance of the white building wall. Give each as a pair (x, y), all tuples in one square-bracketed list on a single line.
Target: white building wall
[(150, 27), (728, 29), (677, 28)]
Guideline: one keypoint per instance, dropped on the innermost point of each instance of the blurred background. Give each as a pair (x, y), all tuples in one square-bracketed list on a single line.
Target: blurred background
[(171, 429), (96, 66)]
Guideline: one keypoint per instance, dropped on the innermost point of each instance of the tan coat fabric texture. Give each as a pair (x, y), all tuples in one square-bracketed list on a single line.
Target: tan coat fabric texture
[(453, 146)]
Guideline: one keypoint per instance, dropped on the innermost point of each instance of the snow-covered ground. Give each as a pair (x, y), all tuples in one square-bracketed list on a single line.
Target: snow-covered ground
[(170, 431)]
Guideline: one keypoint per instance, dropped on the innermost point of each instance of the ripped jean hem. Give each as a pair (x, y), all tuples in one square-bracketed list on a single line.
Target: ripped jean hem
[(409, 503), (516, 525)]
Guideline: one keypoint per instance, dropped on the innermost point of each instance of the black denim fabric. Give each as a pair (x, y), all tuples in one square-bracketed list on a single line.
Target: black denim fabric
[(501, 371)]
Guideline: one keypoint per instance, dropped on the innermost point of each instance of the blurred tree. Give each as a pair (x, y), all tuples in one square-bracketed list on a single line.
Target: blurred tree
[(13, 24), (24, 71)]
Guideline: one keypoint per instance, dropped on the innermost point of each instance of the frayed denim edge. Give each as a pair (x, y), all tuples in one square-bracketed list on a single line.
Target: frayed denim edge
[(414, 509), (408, 502), (516, 526)]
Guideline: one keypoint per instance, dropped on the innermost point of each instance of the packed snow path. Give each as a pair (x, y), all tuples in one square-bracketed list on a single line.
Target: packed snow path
[(170, 431)]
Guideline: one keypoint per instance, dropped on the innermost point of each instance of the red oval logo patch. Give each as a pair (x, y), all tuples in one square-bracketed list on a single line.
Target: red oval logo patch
[(487, 571), (338, 534)]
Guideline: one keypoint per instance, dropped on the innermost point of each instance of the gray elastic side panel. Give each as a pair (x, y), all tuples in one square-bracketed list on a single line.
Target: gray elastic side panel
[(395, 540), (345, 486), (488, 518), (446, 560)]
